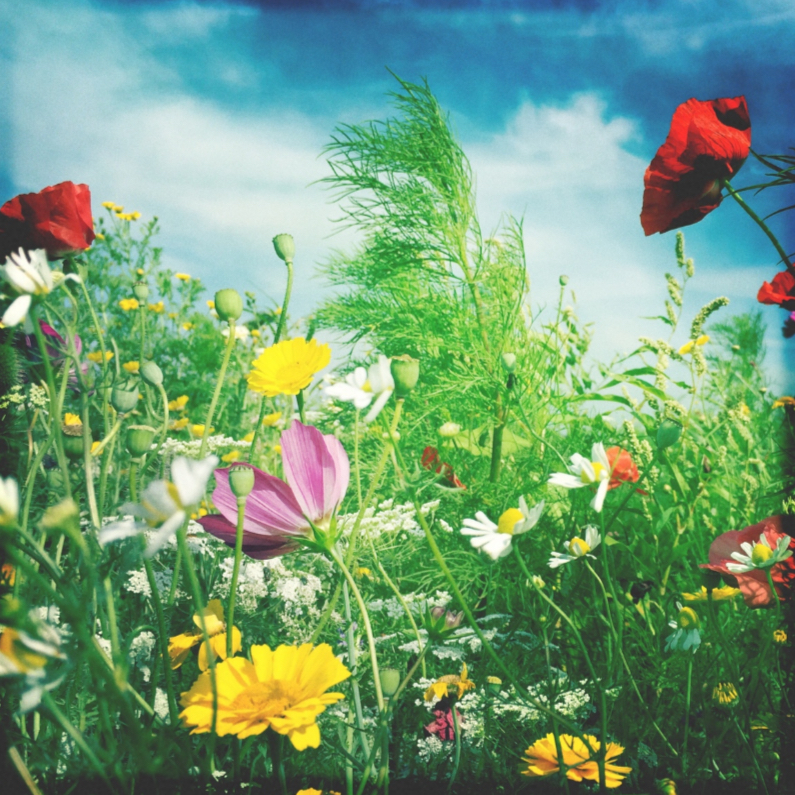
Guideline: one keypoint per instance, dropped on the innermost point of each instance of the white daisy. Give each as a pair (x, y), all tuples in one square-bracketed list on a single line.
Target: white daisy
[(586, 473), (687, 636), (760, 555), (577, 548), (164, 504), (495, 539), (361, 386)]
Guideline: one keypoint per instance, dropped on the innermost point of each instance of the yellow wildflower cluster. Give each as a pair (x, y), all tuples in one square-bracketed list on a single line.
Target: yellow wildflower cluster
[(129, 304), (96, 356)]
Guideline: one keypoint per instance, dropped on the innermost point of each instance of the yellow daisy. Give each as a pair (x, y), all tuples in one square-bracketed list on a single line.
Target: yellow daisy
[(183, 277), (718, 594), (131, 367), (288, 367), (180, 645), (284, 689), (178, 403), (450, 685), (157, 308), (128, 304), (96, 356)]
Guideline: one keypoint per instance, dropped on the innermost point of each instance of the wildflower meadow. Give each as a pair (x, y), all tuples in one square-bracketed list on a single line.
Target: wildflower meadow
[(417, 541)]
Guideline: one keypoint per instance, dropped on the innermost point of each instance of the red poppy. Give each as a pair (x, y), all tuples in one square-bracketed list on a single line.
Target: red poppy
[(753, 584), (57, 219), (622, 467), (780, 291), (708, 142), (443, 727), (431, 460)]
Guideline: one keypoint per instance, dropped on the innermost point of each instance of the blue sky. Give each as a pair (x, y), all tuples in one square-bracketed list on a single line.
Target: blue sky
[(212, 116)]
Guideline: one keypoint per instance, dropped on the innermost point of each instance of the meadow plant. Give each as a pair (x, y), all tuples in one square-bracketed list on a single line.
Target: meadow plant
[(518, 564)]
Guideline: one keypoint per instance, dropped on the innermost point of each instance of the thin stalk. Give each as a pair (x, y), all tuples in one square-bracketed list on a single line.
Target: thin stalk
[(457, 757), (762, 225), (230, 621), (350, 640), (687, 715), (230, 344)]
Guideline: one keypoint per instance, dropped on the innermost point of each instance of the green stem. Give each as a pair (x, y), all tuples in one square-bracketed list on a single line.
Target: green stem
[(230, 344), (687, 715), (287, 293), (230, 621), (457, 757), (299, 399), (762, 225), (143, 332), (350, 640)]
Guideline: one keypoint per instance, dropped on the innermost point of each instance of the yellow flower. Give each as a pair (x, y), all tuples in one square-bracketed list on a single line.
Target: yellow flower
[(178, 425), (72, 420), (269, 420), (779, 636), (131, 367), (542, 759), (173, 315), (128, 304), (690, 344), (99, 236), (288, 367), (139, 271), (363, 571), (7, 574), (450, 682), (255, 333), (158, 307), (180, 645), (283, 689), (96, 356), (783, 401), (94, 446), (178, 404), (249, 437), (277, 448), (187, 326), (724, 694), (231, 456), (197, 431), (183, 277), (718, 594), (211, 304), (117, 208), (109, 205)]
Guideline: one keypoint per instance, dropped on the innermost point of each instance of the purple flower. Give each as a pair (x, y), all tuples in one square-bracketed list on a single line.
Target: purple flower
[(278, 514)]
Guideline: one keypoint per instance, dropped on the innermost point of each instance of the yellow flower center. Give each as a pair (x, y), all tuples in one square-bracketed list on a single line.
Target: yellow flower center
[(761, 554), (688, 618), (597, 468), (367, 386), (508, 521), (267, 699), (578, 547)]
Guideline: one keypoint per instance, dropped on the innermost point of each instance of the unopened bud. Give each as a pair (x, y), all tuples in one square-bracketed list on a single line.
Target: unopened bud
[(285, 247), (449, 429), (151, 373), (493, 685), (59, 516), (73, 445), (123, 400), (668, 433), (564, 280), (406, 373), (508, 362), (139, 439), (241, 480), (228, 304), (141, 291), (390, 681)]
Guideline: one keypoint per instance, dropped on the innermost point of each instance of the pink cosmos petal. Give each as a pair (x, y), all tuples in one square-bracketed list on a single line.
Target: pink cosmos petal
[(311, 470), (342, 467), (271, 506), (255, 545)]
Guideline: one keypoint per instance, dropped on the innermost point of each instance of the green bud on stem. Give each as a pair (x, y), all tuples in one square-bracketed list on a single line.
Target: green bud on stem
[(228, 304)]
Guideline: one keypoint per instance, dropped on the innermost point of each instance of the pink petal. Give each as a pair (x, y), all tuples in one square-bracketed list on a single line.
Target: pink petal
[(316, 469), (255, 545), (270, 508)]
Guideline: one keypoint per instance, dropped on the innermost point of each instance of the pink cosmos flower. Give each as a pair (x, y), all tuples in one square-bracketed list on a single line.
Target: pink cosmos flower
[(753, 584), (317, 471)]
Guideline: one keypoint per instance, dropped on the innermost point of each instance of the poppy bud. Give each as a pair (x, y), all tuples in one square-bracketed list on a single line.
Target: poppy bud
[(406, 373), (390, 681), (73, 445), (141, 291), (668, 433), (152, 374), (139, 439), (228, 304), (123, 400), (241, 480), (564, 280), (508, 362), (493, 685), (285, 247)]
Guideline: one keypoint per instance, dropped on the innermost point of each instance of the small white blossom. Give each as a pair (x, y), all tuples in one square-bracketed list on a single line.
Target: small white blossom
[(577, 548), (586, 473)]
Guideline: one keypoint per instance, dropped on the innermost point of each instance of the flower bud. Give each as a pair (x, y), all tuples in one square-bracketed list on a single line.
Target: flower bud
[(390, 681), (73, 445), (151, 373), (406, 373), (564, 280), (123, 400), (493, 685), (141, 291), (508, 362), (668, 433), (449, 429), (228, 304), (285, 247), (241, 480), (139, 439)]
